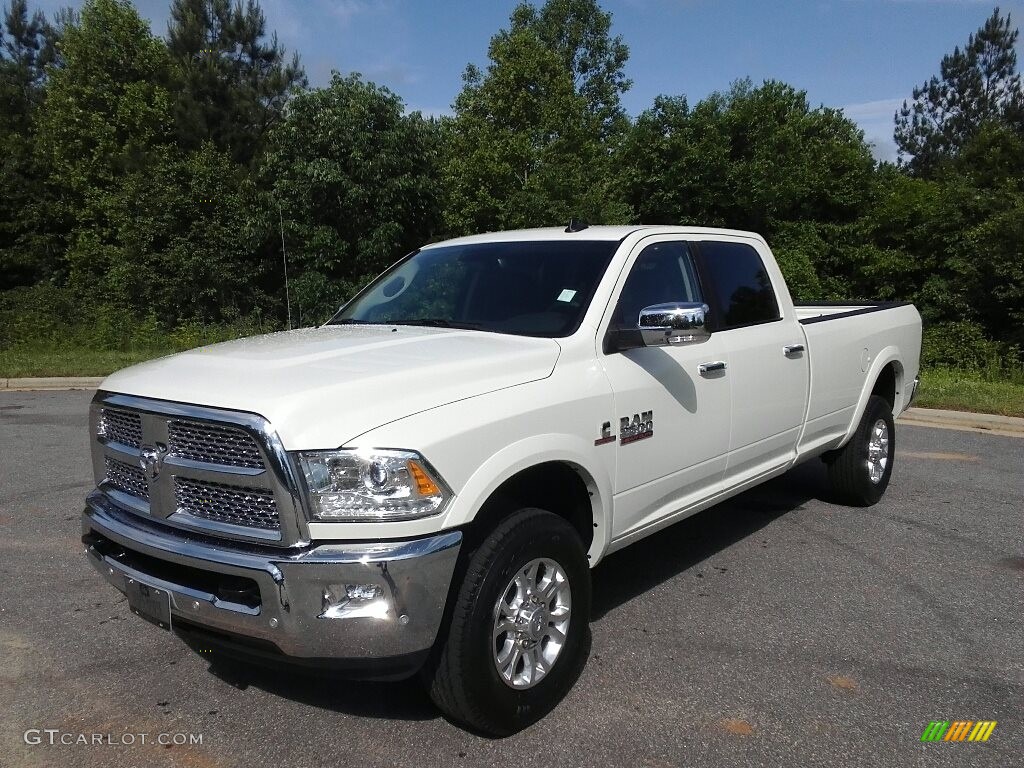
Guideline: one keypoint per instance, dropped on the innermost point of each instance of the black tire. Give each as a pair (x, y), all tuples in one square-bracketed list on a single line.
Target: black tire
[(848, 468), (462, 677)]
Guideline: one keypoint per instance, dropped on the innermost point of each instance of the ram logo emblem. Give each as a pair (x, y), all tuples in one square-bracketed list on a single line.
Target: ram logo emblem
[(639, 427), (151, 459)]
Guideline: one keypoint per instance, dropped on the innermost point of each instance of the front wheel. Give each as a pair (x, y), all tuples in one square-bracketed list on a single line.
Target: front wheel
[(519, 626), (860, 470)]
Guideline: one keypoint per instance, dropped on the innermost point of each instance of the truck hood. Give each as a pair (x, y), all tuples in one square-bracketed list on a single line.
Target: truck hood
[(321, 387)]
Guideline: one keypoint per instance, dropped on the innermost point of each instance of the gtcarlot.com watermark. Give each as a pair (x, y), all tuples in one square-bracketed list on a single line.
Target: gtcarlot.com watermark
[(55, 737)]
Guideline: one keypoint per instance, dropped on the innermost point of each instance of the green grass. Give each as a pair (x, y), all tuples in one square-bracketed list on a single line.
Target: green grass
[(957, 390), (20, 362)]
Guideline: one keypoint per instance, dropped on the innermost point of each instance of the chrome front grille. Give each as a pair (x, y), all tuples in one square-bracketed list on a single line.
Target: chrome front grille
[(247, 507), (126, 478), (120, 426), (212, 444), (218, 472)]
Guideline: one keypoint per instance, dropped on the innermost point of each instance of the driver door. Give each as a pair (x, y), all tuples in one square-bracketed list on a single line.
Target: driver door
[(671, 421)]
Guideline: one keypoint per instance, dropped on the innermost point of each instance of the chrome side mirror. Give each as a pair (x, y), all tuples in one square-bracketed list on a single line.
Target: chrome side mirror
[(677, 323)]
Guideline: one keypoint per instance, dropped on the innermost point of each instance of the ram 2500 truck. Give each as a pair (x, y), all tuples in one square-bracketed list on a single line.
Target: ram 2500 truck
[(424, 483)]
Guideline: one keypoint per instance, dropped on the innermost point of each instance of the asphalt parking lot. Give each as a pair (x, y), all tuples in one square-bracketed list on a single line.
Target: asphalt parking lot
[(777, 629)]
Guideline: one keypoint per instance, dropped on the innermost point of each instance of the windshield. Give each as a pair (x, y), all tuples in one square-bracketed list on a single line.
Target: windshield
[(537, 288)]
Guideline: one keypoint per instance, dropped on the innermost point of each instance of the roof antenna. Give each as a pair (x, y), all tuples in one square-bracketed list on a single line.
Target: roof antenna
[(576, 225)]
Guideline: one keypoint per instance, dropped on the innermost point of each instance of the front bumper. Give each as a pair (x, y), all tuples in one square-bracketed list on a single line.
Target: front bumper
[(292, 604)]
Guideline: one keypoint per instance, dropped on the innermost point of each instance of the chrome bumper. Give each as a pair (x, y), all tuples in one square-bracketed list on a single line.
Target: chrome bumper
[(358, 601)]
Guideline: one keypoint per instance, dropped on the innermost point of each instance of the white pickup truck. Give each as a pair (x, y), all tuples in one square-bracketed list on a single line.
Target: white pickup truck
[(423, 483)]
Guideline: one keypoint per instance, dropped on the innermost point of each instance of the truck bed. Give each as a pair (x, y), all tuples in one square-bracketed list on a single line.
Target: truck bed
[(848, 344)]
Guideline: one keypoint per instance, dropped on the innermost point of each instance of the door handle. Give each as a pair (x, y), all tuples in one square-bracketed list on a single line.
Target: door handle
[(706, 368), (791, 349)]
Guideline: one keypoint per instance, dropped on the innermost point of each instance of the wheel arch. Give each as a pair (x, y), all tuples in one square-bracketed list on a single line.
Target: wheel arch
[(549, 472), (885, 378)]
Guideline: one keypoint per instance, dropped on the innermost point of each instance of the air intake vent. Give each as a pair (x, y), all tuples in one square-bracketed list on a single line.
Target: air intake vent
[(126, 478), (121, 427), (213, 444), (248, 507)]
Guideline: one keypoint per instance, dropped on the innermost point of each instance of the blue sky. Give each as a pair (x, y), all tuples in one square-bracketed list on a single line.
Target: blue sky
[(863, 55)]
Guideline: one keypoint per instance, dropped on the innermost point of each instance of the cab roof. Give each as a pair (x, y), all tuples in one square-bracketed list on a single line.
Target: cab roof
[(597, 232)]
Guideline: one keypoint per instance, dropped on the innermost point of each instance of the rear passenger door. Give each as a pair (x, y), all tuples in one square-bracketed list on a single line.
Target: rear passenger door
[(768, 366)]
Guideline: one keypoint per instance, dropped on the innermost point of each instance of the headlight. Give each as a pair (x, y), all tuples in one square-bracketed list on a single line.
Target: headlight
[(371, 484)]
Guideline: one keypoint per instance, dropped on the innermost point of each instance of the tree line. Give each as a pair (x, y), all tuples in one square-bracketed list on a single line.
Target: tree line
[(151, 183)]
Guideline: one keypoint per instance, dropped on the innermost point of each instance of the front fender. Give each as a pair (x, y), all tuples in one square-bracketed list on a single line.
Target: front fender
[(529, 452)]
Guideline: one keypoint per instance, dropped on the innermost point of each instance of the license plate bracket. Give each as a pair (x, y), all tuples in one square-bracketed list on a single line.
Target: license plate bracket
[(150, 603)]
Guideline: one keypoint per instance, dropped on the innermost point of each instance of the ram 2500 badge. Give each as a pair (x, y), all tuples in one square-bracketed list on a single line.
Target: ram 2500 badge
[(424, 483)]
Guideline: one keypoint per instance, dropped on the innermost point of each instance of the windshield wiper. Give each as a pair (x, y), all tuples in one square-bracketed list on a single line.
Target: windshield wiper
[(437, 322)]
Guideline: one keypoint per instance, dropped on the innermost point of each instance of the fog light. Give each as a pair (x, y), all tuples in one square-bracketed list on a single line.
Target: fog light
[(347, 601), (363, 591)]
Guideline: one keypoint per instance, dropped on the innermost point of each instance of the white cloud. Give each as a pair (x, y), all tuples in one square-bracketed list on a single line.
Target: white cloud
[(282, 20), (345, 10), (873, 110), (944, 2), (876, 119)]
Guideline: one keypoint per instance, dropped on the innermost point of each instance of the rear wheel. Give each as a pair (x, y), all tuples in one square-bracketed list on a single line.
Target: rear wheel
[(519, 626), (860, 470)]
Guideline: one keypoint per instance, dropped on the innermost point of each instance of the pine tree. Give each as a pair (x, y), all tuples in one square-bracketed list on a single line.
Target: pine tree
[(975, 86), (27, 45), (234, 81)]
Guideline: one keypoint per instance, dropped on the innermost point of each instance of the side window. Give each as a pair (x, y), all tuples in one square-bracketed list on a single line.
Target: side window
[(742, 291), (662, 273)]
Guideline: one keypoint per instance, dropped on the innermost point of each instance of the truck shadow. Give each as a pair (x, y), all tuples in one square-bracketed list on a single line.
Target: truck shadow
[(399, 700), (644, 565), (622, 577)]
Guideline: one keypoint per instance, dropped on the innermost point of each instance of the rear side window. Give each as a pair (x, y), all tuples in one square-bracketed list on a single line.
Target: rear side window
[(742, 292)]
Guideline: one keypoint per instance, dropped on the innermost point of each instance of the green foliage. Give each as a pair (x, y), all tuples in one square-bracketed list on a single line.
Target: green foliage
[(187, 230), (354, 180), (106, 119), (962, 344), (954, 245), (987, 183), (758, 159), (148, 228), (975, 86), (796, 246), (997, 389), (579, 33), (146, 184), (532, 138), (108, 105), (747, 158), (233, 83), (60, 320), (27, 45)]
